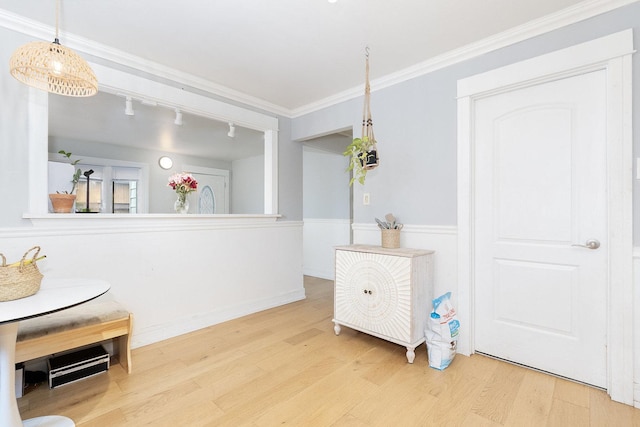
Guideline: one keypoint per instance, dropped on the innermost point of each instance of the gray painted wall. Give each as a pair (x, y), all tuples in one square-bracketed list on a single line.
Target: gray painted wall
[(325, 185), (289, 174), (13, 138), (415, 124)]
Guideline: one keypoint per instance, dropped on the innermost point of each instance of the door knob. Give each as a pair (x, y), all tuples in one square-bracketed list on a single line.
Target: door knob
[(590, 244)]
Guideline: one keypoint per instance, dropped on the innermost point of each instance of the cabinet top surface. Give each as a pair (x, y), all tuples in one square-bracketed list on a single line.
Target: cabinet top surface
[(405, 252)]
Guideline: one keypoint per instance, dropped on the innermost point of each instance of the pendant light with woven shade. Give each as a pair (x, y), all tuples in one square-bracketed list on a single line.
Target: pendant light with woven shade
[(53, 67)]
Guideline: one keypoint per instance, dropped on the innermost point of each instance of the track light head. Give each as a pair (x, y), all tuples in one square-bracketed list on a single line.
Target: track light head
[(178, 120), (232, 131)]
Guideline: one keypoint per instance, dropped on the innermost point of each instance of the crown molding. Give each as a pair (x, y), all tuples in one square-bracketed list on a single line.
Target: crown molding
[(39, 30), (571, 15), (576, 13)]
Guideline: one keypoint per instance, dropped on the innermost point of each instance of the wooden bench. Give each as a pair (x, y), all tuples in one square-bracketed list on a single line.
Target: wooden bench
[(90, 323)]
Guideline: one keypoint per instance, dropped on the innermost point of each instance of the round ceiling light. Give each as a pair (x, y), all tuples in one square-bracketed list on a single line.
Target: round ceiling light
[(165, 162)]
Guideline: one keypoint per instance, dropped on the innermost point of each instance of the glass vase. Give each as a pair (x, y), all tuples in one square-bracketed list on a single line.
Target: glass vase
[(181, 205)]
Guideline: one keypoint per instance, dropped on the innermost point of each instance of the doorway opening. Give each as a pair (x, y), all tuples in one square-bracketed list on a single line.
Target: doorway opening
[(327, 201)]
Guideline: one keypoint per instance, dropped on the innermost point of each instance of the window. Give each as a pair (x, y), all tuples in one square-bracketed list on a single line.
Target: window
[(124, 196), (112, 189), (94, 193), (114, 186)]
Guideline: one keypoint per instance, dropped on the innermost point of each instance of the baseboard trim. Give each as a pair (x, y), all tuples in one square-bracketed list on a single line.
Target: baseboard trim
[(175, 328), (328, 275)]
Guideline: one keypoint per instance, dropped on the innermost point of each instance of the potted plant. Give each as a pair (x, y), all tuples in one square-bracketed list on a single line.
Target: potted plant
[(363, 158), (363, 151), (62, 201)]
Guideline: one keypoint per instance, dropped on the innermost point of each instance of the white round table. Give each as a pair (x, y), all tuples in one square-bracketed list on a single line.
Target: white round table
[(54, 295)]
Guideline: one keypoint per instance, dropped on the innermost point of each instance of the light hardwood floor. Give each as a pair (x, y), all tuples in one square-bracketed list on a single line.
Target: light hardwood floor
[(286, 366)]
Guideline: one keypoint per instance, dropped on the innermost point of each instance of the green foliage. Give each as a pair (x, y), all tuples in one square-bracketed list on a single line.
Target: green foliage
[(76, 175), (358, 150)]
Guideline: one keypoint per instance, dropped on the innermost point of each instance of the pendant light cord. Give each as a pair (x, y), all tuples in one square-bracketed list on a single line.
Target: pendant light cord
[(57, 17)]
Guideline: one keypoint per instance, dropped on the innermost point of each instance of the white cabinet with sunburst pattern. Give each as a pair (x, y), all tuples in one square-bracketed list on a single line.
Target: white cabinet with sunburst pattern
[(386, 293)]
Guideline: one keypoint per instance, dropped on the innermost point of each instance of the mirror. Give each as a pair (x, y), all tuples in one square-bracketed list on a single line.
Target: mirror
[(99, 127), (147, 93)]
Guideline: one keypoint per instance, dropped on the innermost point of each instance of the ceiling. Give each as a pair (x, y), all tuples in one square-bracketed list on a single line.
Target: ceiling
[(288, 53), (284, 54)]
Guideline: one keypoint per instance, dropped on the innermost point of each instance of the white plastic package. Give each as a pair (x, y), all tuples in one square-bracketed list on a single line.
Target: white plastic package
[(442, 333)]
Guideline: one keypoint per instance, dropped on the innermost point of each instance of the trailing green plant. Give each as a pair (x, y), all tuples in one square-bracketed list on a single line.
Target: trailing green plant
[(359, 150), (363, 151), (76, 175)]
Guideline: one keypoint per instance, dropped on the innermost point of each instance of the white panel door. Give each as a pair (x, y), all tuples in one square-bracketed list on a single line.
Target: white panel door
[(212, 188), (541, 189)]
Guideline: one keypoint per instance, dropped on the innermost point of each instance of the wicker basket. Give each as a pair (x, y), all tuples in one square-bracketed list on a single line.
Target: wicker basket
[(21, 279), (391, 238)]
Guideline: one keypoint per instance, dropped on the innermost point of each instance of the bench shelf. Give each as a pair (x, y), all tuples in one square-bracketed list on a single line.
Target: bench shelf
[(68, 330)]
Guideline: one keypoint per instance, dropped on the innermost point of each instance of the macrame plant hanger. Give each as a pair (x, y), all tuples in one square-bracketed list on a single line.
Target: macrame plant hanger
[(371, 159)]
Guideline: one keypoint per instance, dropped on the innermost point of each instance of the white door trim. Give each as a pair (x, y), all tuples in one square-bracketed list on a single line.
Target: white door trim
[(613, 54)]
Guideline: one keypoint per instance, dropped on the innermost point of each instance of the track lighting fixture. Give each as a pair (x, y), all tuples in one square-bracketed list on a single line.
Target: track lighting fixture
[(178, 120), (128, 107), (232, 131)]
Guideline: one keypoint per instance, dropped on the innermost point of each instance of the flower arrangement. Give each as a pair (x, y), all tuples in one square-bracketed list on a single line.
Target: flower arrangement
[(183, 183)]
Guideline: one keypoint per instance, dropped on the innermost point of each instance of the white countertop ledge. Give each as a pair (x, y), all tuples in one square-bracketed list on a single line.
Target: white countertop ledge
[(93, 216), (148, 221)]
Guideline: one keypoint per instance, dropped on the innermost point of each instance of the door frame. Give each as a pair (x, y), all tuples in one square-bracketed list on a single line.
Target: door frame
[(613, 54)]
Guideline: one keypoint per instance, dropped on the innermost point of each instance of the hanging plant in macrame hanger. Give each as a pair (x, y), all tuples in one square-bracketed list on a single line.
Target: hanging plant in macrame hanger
[(364, 150)]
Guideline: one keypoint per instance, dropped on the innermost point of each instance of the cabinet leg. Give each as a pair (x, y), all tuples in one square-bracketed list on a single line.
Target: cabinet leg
[(336, 329), (411, 354)]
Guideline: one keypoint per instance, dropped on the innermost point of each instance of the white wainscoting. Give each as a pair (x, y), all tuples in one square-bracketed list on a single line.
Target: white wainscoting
[(320, 236), (441, 239), (175, 274)]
